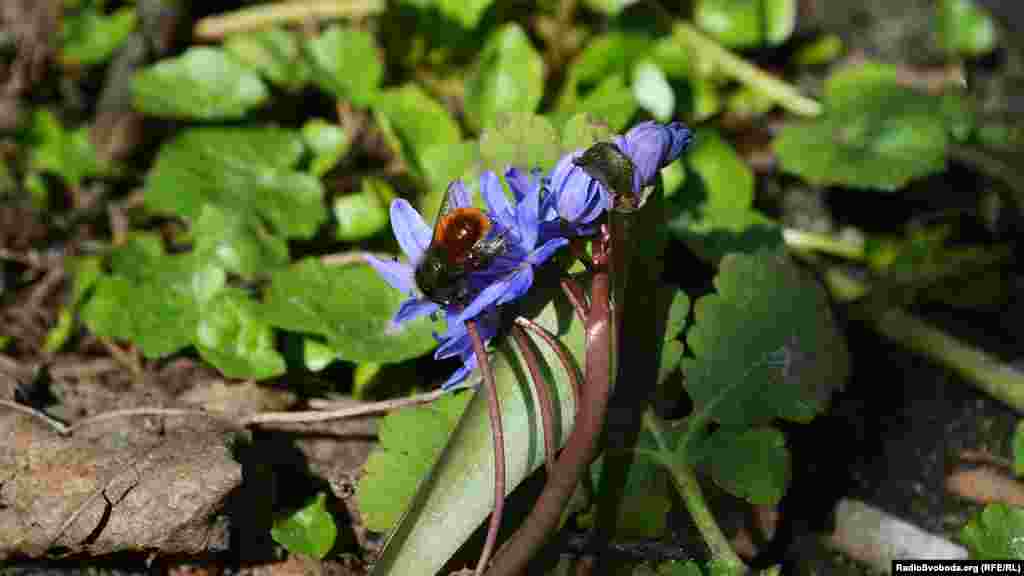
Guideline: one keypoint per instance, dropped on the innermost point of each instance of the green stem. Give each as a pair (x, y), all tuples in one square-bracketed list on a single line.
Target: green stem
[(685, 482), (1000, 380), (782, 93), (264, 15)]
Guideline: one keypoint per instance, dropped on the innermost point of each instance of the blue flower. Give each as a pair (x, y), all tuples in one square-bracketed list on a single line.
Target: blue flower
[(575, 199), (507, 277)]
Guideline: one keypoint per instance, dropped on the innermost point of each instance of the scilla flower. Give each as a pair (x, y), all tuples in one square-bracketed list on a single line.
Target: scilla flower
[(506, 277), (575, 199)]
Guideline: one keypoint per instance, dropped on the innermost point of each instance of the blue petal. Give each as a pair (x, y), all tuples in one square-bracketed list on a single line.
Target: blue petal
[(540, 255), (398, 274), (518, 183), (527, 212), (458, 196), (518, 284), (484, 300), (411, 231), (455, 381), (414, 308), (653, 146), (497, 202)]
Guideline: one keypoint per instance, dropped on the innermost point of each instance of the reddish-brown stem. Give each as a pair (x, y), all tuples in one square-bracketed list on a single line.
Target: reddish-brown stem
[(498, 437), (540, 384), (581, 448), (564, 356), (574, 292)]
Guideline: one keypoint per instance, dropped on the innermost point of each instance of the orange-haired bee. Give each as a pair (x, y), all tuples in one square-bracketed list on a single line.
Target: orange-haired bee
[(460, 245)]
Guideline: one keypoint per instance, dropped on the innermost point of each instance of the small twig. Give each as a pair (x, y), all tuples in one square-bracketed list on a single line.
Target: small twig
[(44, 287), (84, 369), (58, 427), (574, 293), (326, 412), (147, 412), (498, 437), (350, 258), (564, 356), (540, 384), (264, 15)]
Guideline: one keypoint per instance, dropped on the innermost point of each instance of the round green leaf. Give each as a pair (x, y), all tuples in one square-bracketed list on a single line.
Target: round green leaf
[(234, 338), (238, 242), (247, 170), (965, 28), (997, 533), (327, 141), (653, 92), (765, 345), (465, 12), (349, 305), (365, 213), (346, 63), (414, 122), (734, 23), (201, 84), (309, 530), (509, 77), (89, 37), (752, 464), (520, 139), (275, 52)]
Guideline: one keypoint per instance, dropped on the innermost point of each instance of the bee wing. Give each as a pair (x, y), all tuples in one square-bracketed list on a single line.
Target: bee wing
[(455, 197)]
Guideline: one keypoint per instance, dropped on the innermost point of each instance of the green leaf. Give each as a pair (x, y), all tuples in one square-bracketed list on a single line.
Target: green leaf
[(508, 77), (875, 133), (765, 345), (328, 143), (597, 79), (345, 64), (446, 162), (89, 37), (997, 533), (248, 170), (238, 242), (746, 23), (465, 12), (309, 530), (409, 443), (752, 464), (523, 140), (201, 84), (365, 213), (582, 131), (153, 300), (822, 50), (678, 311), (233, 337), (676, 568), (653, 92), (1018, 449), (611, 101), (352, 307), (965, 28), (646, 499), (734, 23), (608, 7), (275, 53), (414, 122), (69, 155), (714, 212)]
